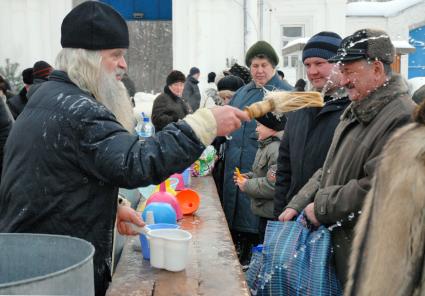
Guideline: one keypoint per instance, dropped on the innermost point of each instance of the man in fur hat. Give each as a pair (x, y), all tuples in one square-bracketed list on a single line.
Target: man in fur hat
[(73, 144), (380, 104)]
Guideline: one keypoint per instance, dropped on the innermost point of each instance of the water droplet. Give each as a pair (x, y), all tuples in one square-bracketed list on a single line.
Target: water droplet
[(359, 212), (351, 217), (285, 266), (338, 223), (295, 255)]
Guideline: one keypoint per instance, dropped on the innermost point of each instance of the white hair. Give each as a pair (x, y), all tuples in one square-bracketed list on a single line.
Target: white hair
[(84, 68)]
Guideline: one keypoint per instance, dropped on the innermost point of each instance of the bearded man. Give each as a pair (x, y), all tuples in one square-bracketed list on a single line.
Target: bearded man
[(71, 147)]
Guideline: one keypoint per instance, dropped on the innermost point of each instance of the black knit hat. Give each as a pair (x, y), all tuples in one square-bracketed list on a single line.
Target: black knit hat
[(41, 70), (229, 82), (261, 48), (272, 122), (94, 25), (322, 45), (27, 76), (366, 44), (175, 76)]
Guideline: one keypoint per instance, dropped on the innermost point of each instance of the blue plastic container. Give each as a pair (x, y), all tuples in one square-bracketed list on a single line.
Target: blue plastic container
[(162, 213), (144, 241), (186, 177)]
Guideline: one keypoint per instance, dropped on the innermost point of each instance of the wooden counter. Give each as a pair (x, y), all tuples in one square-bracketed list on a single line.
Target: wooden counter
[(213, 267)]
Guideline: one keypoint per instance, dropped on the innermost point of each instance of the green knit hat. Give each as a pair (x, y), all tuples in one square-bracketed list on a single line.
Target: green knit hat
[(261, 47)]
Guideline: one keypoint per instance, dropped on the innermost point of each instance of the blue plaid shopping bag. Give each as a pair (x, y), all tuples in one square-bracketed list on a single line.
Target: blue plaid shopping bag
[(296, 260)]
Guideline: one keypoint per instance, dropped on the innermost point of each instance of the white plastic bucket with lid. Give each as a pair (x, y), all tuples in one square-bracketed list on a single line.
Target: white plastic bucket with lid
[(169, 248)]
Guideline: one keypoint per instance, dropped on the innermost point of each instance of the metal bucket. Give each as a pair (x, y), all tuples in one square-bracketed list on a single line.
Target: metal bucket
[(42, 264)]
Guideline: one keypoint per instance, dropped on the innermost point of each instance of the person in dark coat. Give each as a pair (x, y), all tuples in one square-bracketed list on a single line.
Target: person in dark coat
[(40, 73), (226, 86), (169, 106), (381, 104), (191, 91), (241, 149), (5, 89), (72, 146), (300, 85), (309, 131), (17, 103), (6, 122)]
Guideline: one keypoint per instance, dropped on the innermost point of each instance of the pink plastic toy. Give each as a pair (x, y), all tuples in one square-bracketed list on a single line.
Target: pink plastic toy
[(164, 196)]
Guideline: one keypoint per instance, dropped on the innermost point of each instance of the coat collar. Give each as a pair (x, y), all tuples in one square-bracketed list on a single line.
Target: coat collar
[(270, 85), (168, 91), (265, 142), (367, 109)]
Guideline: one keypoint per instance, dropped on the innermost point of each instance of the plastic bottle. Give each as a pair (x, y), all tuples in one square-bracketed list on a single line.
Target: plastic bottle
[(144, 127)]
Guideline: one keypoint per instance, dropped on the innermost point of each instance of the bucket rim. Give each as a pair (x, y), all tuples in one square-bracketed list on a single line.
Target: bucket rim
[(53, 274)]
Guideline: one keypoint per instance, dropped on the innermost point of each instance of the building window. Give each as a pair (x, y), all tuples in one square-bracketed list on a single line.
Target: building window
[(290, 33)]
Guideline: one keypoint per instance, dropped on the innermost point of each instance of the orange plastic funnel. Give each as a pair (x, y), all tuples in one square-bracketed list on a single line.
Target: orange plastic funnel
[(188, 200)]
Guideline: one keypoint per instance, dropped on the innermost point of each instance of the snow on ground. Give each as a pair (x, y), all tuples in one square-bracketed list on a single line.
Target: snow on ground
[(144, 103)]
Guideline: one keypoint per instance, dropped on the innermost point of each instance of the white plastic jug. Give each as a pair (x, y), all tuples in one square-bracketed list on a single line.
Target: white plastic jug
[(169, 248)]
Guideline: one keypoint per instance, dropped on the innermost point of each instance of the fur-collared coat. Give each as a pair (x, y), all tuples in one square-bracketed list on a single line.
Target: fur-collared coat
[(388, 256)]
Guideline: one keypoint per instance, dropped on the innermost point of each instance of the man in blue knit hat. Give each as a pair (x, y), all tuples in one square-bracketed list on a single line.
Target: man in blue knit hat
[(308, 134)]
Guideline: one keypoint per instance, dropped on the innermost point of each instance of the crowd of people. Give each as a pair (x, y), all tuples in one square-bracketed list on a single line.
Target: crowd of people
[(67, 143)]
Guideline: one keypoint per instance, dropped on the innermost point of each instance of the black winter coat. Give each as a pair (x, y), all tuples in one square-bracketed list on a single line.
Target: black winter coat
[(168, 108), (304, 146), (17, 103), (65, 158), (191, 93), (6, 122)]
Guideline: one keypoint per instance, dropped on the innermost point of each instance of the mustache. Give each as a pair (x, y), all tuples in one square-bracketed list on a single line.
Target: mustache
[(119, 72)]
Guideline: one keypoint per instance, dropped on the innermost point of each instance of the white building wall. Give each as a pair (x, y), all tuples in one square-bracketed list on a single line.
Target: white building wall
[(207, 34), (314, 15), (397, 26), (31, 30)]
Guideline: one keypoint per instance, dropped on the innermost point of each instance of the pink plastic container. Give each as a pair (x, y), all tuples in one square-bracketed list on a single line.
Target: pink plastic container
[(164, 196)]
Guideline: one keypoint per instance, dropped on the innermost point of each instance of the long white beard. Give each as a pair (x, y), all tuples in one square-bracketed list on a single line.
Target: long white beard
[(113, 94)]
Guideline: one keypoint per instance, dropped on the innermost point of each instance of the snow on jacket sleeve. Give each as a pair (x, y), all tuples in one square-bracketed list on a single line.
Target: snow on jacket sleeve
[(113, 155)]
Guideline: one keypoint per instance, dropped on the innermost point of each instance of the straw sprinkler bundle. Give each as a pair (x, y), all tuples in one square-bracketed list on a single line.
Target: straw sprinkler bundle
[(282, 102)]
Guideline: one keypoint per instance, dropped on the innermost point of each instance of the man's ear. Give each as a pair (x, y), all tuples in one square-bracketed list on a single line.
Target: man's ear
[(378, 67)]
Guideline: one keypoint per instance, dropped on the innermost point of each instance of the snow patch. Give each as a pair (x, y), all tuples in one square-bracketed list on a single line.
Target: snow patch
[(383, 9)]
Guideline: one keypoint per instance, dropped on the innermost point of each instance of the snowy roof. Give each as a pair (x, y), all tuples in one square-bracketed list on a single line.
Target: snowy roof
[(384, 9), (401, 46), (295, 45)]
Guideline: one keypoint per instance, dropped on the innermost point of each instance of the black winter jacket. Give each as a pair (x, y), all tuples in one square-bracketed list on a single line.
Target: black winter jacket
[(304, 146), (6, 122), (168, 108), (191, 93), (65, 158), (17, 103)]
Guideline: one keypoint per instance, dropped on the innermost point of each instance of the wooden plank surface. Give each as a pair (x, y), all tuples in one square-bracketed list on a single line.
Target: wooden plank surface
[(213, 267)]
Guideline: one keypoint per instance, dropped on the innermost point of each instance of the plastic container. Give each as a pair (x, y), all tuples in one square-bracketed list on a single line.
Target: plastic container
[(186, 177), (144, 127), (162, 213), (165, 197), (188, 200), (43, 264), (144, 241), (169, 248)]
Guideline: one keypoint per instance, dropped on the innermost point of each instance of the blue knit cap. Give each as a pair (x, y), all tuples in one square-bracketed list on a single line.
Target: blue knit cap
[(322, 45)]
